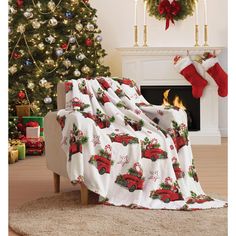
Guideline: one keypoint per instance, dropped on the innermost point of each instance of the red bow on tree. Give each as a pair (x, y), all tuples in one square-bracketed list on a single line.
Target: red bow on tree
[(19, 3), (169, 10)]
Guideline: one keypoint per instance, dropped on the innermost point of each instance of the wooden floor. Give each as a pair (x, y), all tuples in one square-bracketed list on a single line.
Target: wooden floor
[(30, 179)]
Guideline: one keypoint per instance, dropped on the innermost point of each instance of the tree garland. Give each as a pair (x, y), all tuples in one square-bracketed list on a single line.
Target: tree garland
[(170, 10)]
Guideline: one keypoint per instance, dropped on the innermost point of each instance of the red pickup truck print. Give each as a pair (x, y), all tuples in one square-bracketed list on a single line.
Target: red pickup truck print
[(166, 195), (124, 139), (103, 164), (102, 123), (75, 147), (154, 153), (104, 84), (130, 181)]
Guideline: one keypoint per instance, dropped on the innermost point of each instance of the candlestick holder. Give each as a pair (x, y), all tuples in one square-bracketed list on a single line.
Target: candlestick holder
[(205, 36), (196, 36), (135, 36), (145, 36)]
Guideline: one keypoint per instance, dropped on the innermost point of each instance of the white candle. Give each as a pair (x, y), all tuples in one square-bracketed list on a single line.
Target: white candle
[(196, 12), (144, 13), (135, 11), (205, 12)]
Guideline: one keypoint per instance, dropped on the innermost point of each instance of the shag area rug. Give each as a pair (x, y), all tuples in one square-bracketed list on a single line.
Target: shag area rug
[(62, 214)]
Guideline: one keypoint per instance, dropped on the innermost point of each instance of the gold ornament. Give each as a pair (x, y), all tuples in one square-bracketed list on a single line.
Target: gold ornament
[(21, 29), (79, 26), (13, 69), (36, 24), (67, 63), (74, 1), (41, 46), (51, 5), (85, 69), (49, 62), (31, 85)]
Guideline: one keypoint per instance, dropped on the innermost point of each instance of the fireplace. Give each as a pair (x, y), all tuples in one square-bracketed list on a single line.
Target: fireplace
[(152, 69), (179, 96)]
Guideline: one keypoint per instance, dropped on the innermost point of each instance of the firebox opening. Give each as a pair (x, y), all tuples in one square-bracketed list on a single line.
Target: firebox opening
[(178, 96)]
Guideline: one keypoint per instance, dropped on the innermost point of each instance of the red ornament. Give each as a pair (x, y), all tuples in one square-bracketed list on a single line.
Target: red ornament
[(169, 10), (64, 46), (19, 3), (89, 42), (16, 55), (86, 1), (21, 95)]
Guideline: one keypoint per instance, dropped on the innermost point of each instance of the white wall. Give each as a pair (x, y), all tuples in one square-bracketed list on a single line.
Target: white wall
[(116, 17)]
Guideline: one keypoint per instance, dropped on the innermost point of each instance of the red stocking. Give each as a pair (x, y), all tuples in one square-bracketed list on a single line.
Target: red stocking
[(213, 68), (186, 68)]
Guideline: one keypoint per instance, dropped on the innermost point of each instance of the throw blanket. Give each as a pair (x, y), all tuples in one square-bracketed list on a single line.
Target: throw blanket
[(128, 151)]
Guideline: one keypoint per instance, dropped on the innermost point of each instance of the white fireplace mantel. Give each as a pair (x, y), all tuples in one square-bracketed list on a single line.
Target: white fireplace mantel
[(154, 66)]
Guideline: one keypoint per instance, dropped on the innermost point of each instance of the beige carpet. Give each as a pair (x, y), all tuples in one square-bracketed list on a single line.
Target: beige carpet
[(62, 214)]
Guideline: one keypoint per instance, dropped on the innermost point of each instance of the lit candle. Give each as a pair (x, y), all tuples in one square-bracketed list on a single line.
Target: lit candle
[(205, 12), (196, 12), (144, 13), (135, 11)]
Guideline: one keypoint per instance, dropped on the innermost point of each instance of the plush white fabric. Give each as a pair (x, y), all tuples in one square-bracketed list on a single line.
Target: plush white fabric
[(115, 147)]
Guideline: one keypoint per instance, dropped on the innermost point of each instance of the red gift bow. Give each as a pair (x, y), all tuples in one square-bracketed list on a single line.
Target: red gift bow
[(169, 10), (32, 124)]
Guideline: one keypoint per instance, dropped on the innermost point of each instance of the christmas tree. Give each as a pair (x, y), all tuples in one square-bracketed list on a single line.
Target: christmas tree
[(50, 41)]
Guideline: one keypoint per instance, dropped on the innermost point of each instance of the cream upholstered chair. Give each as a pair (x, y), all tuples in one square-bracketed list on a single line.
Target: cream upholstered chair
[(55, 156)]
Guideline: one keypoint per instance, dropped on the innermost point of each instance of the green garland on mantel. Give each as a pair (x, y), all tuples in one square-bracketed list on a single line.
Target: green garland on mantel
[(187, 8)]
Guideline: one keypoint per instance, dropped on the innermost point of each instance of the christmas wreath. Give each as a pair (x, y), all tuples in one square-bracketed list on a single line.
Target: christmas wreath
[(171, 10)]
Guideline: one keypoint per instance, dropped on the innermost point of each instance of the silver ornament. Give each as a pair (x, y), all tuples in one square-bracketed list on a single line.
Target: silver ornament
[(67, 63), (72, 39), (47, 100), (13, 69), (42, 82), (12, 10), (90, 27), (50, 39), (79, 26), (99, 38), (80, 57), (41, 46), (28, 14), (21, 28), (36, 24), (85, 69), (59, 52), (31, 85), (53, 21), (51, 5), (77, 73)]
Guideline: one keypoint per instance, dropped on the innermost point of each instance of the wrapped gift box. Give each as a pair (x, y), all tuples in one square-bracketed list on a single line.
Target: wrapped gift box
[(25, 119), (34, 151), (18, 145), (32, 132), (12, 155), (34, 142)]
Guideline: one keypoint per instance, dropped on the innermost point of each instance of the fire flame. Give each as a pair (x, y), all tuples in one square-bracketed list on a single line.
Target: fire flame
[(177, 102)]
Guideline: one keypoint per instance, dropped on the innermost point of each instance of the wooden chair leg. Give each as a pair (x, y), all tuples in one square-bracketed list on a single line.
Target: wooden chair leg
[(84, 194), (56, 179)]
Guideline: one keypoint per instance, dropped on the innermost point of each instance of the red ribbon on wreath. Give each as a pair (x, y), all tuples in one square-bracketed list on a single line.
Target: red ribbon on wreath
[(169, 10)]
